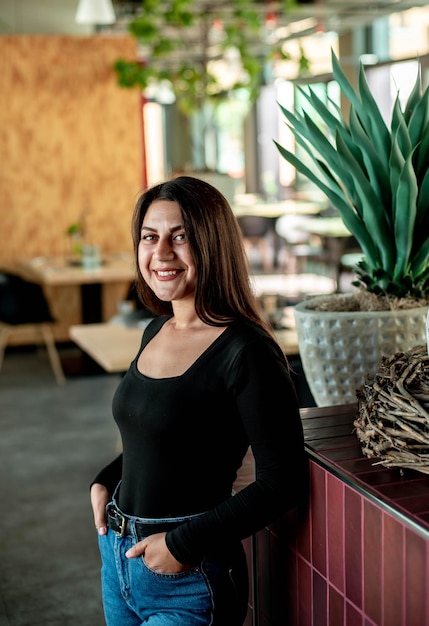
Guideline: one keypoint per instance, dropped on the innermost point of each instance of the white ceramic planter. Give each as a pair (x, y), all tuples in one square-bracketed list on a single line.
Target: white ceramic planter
[(339, 349)]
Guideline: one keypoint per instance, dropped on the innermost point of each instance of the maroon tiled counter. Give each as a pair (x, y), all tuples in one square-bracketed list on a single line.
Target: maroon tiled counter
[(359, 555)]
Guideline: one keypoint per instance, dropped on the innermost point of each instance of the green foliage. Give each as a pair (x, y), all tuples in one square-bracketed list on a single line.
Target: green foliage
[(75, 229), (377, 177), (180, 22)]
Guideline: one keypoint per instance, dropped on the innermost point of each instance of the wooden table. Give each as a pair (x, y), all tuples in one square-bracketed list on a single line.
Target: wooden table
[(59, 271), (113, 346), (277, 209), (324, 227)]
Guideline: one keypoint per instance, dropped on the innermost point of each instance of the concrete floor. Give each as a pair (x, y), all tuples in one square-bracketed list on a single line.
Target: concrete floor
[(53, 439)]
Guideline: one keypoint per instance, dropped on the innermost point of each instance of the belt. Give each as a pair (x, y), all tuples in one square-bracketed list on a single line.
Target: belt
[(121, 525)]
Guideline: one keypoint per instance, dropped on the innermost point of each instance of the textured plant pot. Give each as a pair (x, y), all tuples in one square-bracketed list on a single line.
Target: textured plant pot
[(339, 349)]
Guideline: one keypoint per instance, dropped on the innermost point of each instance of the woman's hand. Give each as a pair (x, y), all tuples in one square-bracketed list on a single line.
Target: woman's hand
[(99, 499), (156, 555)]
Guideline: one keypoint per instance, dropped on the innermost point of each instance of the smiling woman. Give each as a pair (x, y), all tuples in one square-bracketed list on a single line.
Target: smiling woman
[(205, 384)]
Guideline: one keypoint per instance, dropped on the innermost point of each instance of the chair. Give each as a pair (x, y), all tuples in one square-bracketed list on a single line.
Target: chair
[(23, 308), (256, 231), (300, 245)]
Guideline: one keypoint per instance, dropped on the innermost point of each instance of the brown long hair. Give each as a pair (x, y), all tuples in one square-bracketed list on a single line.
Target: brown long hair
[(223, 291)]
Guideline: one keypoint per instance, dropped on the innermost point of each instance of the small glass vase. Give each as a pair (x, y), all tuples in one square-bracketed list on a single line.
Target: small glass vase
[(76, 245)]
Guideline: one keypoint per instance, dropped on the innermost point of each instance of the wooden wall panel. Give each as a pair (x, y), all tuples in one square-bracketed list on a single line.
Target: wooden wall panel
[(70, 143)]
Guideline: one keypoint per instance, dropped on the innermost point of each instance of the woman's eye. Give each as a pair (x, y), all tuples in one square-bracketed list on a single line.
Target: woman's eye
[(180, 237), (147, 237)]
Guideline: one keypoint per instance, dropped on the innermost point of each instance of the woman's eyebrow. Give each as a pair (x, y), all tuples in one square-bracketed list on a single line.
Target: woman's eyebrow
[(173, 229)]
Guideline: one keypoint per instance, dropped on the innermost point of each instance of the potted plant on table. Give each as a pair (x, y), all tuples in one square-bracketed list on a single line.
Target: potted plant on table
[(76, 233), (377, 177)]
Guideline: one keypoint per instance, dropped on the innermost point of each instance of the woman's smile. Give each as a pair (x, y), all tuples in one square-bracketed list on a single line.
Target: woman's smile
[(167, 274)]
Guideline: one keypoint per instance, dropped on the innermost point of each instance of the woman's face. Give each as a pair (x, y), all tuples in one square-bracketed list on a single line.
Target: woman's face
[(165, 260)]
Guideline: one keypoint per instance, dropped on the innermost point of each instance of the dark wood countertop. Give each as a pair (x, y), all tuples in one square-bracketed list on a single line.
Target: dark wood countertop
[(331, 441)]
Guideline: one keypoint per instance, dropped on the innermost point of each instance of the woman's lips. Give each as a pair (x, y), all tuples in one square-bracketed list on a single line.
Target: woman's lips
[(166, 274)]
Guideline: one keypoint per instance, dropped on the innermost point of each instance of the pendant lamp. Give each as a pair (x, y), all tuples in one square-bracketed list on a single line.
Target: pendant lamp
[(95, 12)]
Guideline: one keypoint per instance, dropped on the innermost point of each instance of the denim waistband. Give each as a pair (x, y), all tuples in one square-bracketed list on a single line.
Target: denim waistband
[(149, 520), (126, 525)]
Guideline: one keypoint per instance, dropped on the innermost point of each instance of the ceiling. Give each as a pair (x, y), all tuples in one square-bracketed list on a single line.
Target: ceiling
[(307, 17), (57, 17), (199, 44), (344, 15)]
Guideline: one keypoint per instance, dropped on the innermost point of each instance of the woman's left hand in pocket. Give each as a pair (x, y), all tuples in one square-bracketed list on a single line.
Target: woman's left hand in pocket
[(156, 555)]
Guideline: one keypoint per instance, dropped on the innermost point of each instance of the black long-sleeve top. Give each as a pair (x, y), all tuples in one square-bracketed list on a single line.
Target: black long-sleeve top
[(184, 438)]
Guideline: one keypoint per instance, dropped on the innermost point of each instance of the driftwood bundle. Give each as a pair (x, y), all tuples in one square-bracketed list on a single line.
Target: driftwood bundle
[(393, 411)]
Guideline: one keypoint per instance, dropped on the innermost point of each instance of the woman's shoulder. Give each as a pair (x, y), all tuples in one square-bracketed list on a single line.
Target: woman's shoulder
[(247, 328), (247, 333), (251, 347)]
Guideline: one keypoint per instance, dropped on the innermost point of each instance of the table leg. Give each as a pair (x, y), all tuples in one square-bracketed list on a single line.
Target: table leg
[(91, 313), (92, 303)]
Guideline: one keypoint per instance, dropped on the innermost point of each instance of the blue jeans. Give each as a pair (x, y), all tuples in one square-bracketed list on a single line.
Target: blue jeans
[(214, 593)]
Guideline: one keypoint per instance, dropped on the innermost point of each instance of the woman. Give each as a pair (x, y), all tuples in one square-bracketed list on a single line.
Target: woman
[(208, 381)]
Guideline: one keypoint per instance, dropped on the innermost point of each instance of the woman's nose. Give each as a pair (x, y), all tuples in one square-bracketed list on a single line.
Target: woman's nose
[(164, 249)]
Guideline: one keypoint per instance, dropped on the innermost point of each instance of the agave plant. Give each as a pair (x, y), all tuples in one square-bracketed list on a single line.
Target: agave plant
[(375, 176)]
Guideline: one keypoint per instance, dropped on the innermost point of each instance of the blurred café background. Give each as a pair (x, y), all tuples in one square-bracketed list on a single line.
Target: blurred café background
[(76, 149)]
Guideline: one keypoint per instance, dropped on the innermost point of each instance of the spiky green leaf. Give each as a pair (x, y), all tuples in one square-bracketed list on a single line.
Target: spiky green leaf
[(365, 106), (418, 112), (405, 216), (375, 166)]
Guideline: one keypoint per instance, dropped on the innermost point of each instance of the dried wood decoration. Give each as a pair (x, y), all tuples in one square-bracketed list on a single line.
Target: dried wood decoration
[(393, 411)]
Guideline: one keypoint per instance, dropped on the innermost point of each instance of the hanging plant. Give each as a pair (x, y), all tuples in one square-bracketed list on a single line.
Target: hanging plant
[(181, 42)]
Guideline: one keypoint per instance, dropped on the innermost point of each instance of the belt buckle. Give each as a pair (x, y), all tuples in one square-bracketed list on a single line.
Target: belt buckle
[(121, 531), (122, 522)]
